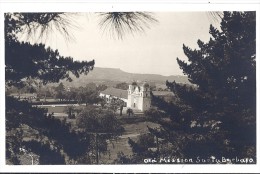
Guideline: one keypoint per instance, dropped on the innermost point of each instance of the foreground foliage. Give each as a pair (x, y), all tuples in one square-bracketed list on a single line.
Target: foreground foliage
[(55, 143), (216, 117), (38, 61), (44, 135)]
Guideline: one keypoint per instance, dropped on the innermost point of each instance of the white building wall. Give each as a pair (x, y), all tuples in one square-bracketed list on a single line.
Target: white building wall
[(140, 106), (109, 97), (141, 98), (129, 98)]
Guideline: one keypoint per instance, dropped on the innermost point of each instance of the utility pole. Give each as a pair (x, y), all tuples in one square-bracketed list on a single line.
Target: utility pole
[(157, 143), (96, 136), (28, 153)]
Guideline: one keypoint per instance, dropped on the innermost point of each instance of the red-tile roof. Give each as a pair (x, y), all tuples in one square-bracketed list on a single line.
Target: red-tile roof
[(120, 93)]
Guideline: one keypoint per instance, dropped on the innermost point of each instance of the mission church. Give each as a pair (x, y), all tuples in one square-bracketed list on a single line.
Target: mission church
[(136, 97)]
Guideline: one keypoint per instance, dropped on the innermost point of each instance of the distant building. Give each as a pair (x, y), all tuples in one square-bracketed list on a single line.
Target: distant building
[(111, 93), (24, 96), (137, 97)]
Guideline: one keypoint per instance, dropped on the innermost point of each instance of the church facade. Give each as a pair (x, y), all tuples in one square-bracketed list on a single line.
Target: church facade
[(139, 97)]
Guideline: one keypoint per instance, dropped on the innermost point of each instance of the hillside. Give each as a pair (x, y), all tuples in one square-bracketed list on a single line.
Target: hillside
[(112, 75)]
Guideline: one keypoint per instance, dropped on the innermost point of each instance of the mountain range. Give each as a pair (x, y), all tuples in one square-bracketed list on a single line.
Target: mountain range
[(105, 75)]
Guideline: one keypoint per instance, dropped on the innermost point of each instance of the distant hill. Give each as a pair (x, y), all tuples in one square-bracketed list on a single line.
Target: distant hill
[(112, 75)]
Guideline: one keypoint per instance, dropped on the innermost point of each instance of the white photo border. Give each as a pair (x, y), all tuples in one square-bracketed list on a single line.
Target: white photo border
[(98, 6)]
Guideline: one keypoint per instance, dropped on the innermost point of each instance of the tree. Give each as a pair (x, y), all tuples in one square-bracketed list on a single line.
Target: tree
[(116, 104), (88, 95), (71, 94), (60, 87), (103, 102), (154, 114), (153, 87), (44, 132), (217, 117), (91, 86), (39, 62), (60, 92), (130, 111), (28, 89), (44, 93), (70, 110), (101, 125), (47, 155), (43, 64), (123, 86), (120, 23), (60, 95), (141, 150), (101, 87)]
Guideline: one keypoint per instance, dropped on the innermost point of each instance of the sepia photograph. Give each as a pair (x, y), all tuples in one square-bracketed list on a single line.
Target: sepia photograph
[(130, 87)]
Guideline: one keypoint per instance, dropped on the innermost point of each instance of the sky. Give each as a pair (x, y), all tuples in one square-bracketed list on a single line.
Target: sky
[(153, 51)]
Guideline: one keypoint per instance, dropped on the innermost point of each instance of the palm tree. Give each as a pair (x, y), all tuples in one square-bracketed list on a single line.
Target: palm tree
[(129, 111), (70, 110)]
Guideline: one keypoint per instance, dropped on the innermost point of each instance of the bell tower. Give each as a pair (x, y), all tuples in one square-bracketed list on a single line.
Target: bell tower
[(145, 97), (129, 96)]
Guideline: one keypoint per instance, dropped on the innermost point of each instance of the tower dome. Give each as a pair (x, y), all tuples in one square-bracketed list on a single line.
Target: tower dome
[(134, 83), (146, 85)]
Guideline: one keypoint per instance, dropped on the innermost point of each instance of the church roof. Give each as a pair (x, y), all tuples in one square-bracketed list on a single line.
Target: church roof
[(120, 93)]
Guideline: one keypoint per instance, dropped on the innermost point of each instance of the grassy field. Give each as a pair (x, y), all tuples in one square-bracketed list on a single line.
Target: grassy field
[(134, 126), (59, 110), (56, 109), (133, 131)]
